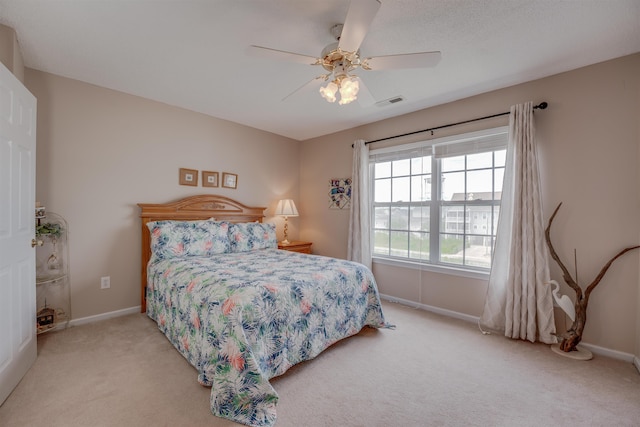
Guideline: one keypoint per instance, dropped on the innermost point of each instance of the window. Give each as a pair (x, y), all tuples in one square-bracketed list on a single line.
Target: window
[(437, 202)]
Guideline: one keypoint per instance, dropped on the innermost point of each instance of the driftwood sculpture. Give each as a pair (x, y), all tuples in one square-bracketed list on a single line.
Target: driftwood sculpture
[(573, 336)]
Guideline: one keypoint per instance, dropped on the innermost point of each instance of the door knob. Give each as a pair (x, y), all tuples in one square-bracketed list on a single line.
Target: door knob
[(35, 243)]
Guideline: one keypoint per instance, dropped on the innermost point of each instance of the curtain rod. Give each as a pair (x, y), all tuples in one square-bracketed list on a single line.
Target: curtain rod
[(540, 106)]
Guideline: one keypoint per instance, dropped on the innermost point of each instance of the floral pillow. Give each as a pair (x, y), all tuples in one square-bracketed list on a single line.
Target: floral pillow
[(250, 236), (171, 239)]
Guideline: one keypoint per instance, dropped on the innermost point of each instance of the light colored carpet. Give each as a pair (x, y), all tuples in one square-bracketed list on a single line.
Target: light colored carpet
[(429, 371)]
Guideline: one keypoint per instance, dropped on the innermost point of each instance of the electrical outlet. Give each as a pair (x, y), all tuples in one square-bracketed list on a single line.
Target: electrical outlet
[(105, 282)]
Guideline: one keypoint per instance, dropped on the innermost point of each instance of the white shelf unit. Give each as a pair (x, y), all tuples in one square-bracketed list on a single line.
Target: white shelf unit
[(53, 293)]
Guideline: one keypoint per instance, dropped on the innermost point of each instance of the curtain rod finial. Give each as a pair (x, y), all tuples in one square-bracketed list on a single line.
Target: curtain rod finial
[(543, 105)]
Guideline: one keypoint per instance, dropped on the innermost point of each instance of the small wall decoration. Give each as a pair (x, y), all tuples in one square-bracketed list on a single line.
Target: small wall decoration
[(339, 193), (229, 180), (209, 179), (188, 177)]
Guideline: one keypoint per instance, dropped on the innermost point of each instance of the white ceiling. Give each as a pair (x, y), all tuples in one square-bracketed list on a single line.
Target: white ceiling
[(191, 53)]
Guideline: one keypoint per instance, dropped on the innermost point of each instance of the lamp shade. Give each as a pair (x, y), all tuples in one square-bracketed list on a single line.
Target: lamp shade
[(286, 207)]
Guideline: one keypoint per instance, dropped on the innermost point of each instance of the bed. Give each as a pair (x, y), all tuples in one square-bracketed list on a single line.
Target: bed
[(237, 308)]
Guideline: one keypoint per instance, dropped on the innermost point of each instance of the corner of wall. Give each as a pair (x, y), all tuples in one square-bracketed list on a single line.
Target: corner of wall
[(10, 54)]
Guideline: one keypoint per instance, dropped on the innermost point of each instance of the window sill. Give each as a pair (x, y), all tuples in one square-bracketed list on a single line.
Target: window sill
[(471, 274)]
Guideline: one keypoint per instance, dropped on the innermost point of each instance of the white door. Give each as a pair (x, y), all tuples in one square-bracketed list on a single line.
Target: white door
[(17, 228)]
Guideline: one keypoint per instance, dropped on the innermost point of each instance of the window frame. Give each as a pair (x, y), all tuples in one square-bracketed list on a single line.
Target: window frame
[(488, 140)]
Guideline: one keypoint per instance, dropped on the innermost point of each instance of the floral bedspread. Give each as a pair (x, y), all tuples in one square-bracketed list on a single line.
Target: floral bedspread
[(243, 318)]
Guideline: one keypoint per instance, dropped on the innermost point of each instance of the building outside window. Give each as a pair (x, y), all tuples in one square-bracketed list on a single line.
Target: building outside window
[(437, 202)]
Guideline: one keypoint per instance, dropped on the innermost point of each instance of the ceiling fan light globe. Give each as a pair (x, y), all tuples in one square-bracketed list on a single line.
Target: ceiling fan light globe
[(328, 96), (329, 92), (348, 90), (350, 85)]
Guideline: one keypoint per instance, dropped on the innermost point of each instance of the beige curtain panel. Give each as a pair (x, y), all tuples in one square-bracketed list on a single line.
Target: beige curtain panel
[(519, 301), (359, 245)]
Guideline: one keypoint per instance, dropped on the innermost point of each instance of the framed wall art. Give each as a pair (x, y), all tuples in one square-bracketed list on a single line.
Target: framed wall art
[(189, 177), (229, 180), (339, 193), (209, 179)]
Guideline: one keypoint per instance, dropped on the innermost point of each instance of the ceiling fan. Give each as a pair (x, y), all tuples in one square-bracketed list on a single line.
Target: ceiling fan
[(342, 57)]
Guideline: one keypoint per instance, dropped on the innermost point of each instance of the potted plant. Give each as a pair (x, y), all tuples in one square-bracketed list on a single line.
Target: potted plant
[(48, 229), (51, 230)]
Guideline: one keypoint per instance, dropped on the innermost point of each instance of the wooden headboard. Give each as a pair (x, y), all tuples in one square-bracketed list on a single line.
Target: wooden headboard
[(190, 208)]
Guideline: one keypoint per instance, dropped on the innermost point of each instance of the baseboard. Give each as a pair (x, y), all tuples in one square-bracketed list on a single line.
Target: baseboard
[(431, 308), (602, 351), (104, 316)]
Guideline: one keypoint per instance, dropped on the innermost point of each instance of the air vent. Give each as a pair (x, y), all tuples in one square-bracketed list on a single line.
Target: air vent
[(389, 101)]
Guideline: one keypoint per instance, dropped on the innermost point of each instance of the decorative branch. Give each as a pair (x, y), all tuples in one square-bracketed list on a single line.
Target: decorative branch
[(565, 272), (598, 278), (574, 335)]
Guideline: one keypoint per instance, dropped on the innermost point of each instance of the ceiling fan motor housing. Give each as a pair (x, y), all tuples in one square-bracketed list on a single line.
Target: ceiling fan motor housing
[(332, 58)]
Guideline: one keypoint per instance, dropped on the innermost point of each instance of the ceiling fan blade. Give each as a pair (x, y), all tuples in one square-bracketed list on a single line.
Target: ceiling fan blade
[(310, 85), (397, 62), (356, 24), (268, 53), (365, 98)]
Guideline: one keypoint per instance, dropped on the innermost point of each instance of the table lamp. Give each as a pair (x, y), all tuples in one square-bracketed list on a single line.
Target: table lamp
[(286, 208)]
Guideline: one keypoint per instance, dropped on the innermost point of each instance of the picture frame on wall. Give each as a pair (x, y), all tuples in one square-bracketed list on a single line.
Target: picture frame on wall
[(188, 177), (209, 179), (339, 193), (229, 180)]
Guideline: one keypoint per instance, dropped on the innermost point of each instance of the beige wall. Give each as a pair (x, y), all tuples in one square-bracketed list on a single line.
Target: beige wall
[(10, 54), (588, 143), (637, 351), (101, 152)]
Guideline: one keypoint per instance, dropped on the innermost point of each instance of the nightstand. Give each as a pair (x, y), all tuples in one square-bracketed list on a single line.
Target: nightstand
[(296, 246)]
